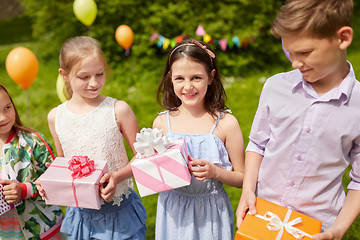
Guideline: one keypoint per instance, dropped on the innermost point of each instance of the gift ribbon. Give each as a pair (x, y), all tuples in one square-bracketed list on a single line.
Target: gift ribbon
[(81, 166), (73, 181), (149, 141), (275, 224)]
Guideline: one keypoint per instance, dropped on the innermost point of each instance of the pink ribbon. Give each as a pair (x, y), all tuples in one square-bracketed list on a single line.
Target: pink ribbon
[(81, 166)]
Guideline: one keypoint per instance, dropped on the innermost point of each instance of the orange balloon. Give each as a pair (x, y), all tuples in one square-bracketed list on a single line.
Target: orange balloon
[(124, 35), (22, 66)]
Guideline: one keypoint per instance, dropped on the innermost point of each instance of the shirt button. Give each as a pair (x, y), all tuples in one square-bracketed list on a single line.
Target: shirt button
[(292, 183), (308, 130), (299, 158)]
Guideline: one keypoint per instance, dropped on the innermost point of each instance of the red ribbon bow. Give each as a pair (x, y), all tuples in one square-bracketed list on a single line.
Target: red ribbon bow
[(81, 166)]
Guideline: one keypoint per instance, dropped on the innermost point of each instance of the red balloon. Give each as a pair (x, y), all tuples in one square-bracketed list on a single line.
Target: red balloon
[(124, 35)]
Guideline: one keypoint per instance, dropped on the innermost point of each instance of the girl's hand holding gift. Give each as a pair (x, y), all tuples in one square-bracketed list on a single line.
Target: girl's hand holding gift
[(38, 185), (107, 187), (202, 169), (11, 191)]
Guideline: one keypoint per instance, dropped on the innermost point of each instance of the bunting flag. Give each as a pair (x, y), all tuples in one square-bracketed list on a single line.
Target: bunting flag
[(164, 42)]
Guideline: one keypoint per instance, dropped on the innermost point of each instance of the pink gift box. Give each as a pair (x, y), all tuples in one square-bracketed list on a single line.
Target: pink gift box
[(4, 206), (162, 171), (61, 189)]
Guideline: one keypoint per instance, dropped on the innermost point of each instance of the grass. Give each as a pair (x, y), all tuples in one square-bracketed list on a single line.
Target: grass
[(243, 93)]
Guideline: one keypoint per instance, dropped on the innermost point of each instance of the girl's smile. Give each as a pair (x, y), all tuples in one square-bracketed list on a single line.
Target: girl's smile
[(190, 80)]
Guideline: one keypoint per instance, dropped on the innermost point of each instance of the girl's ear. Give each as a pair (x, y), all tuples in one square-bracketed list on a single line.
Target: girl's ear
[(345, 37), (213, 73), (62, 73)]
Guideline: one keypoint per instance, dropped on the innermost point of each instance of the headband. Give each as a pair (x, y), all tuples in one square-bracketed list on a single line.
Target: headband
[(195, 43)]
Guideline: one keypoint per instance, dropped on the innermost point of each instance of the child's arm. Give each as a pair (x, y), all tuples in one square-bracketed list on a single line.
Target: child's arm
[(233, 139), (51, 122), (348, 214), (248, 198), (128, 126)]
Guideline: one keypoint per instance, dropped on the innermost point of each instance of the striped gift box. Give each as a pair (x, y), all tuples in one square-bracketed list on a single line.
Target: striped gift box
[(162, 171)]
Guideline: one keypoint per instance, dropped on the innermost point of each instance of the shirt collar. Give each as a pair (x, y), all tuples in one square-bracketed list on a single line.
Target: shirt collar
[(344, 89)]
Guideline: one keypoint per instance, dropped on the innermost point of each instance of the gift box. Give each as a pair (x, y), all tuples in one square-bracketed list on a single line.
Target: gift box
[(161, 164), (73, 182), (4, 206), (276, 222)]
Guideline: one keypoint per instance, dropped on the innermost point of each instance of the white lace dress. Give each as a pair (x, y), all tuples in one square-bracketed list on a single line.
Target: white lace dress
[(96, 134)]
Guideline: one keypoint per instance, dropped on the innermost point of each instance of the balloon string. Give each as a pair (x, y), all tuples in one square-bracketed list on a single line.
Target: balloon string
[(28, 107), (127, 52), (89, 31)]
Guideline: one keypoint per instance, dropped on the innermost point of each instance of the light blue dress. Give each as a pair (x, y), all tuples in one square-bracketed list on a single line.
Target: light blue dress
[(202, 210)]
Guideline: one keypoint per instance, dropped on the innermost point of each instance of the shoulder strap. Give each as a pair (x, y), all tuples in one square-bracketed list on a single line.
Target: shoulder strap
[(167, 119), (42, 139), (218, 119)]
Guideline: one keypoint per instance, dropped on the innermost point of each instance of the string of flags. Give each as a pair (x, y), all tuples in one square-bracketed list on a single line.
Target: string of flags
[(164, 42)]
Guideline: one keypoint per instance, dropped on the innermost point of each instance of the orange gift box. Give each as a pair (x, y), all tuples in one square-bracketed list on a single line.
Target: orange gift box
[(276, 222)]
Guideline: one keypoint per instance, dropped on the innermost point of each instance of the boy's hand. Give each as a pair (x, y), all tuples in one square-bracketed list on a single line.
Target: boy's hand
[(107, 187), (202, 169), (247, 203), (11, 191), (329, 234)]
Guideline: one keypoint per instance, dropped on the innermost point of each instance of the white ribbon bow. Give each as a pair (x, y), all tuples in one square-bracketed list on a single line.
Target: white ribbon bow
[(150, 140), (275, 224)]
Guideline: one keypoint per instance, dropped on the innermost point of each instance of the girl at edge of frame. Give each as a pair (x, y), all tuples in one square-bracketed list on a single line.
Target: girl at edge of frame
[(23, 155), (94, 125), (194, 99)]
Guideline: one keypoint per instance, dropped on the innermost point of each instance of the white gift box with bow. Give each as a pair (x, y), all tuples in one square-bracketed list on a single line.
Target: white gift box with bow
[(160, 163)]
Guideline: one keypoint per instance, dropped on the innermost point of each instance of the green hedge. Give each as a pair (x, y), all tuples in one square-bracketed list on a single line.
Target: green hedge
[(54, 22)]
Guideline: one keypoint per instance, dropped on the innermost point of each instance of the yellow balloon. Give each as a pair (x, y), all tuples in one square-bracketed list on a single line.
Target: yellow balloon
[(22, 66), (85, 11), (60, 85)]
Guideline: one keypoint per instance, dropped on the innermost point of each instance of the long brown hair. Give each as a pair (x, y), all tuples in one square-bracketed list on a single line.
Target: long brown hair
[(215, 95)]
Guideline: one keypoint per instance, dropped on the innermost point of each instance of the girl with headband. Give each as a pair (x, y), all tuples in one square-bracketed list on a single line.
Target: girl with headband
[(194, 98)]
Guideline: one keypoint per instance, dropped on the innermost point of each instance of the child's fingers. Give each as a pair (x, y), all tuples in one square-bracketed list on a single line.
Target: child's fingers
[(6, 182), (108, 196), (197, 162), (47, 164), (105, 178), (40, 189)]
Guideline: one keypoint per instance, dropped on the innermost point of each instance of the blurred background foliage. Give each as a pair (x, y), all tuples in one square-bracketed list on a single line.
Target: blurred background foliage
[(54, 22), (43, 25)]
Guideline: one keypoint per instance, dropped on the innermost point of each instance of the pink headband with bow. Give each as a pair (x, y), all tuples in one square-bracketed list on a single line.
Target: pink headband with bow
[(196, 43)]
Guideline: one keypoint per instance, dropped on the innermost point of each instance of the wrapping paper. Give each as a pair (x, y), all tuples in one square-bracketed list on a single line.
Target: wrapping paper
[(276, 222), (62, 189), (161, 171)]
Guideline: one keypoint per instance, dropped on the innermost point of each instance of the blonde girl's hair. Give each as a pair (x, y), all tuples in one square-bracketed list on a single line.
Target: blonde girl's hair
[(215, 96), (73, 52), (18, 124), (314, 18)]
